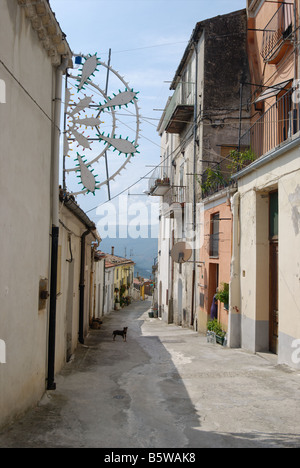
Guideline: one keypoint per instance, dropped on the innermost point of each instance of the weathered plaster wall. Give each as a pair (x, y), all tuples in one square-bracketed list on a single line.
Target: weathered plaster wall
[(25, 135), (281, 173)]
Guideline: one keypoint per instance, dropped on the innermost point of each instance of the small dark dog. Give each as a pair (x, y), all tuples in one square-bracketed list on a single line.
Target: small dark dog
[(122, 333)]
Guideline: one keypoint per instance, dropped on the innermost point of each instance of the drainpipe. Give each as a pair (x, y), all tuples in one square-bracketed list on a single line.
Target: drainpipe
[(234, 319), (194, 186), (82, 287), (55, 224)]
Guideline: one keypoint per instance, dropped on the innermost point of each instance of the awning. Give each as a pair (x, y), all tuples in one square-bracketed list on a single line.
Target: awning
[(273, 91)]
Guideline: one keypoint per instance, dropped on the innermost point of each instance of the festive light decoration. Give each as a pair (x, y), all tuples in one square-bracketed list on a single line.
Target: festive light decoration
[(88, 69), (88, 180), (106, 112), (122, 99), (123, 146)]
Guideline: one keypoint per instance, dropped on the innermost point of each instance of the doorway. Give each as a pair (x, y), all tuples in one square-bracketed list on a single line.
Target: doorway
[(274, 272), (213, 283), (180, 301)]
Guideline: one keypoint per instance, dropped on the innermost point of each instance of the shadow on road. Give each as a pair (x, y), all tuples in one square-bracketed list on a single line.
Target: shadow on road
[(118, 395)]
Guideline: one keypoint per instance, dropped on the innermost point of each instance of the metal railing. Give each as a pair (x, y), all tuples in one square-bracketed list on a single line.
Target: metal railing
[(184, 95), (176, 194), (277, 30), (277, 125), (157, 177), (274, 127)]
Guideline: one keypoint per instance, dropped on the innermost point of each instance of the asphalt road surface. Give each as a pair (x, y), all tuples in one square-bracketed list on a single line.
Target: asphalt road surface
[(166, 387)]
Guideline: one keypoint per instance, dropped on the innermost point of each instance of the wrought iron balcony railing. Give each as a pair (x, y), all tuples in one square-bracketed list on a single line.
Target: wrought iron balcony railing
[(280, 122), (174, 201), (277, 33), (158, 184), (180, 108), (272, 129)]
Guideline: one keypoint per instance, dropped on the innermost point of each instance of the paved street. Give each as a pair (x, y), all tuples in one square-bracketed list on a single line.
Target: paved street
[(166, 387)]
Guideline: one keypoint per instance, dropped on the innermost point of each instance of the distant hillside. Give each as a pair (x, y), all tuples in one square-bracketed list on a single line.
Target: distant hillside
[(141, 251)]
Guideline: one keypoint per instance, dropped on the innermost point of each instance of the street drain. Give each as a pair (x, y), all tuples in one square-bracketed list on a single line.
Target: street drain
[(119, 397)]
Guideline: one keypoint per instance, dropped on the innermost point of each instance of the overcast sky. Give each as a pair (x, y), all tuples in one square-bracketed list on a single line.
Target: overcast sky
[(147, 39)]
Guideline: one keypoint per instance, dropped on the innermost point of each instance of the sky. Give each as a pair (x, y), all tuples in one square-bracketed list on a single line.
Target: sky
[(147, 39)]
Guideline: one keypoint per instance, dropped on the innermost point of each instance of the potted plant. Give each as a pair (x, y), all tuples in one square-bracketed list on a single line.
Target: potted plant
[(214, 328), (223, 295)]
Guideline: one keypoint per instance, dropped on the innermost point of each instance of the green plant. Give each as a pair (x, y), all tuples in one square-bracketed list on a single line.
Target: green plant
[(238, 159), (212, 179), (223, 294), (215, 326)]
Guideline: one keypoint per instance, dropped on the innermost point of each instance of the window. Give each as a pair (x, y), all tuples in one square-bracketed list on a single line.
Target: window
[(214, 235), (273, 215), (285, 116)]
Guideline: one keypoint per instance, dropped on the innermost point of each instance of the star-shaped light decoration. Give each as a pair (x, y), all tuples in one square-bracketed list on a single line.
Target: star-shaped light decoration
[(87, 103)]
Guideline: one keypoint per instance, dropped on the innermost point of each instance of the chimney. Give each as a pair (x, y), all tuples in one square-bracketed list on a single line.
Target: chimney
[(113, 251)]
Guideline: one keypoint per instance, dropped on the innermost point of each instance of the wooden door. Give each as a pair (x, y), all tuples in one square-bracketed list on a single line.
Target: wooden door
[(273, 318)]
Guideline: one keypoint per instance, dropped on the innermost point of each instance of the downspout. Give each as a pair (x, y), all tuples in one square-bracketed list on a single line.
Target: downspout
[(55, 224), (194, 186), (82, 287), (104, 285), (234, 319)]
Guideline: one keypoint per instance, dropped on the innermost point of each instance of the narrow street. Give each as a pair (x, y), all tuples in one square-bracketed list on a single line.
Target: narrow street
[(166, 387)]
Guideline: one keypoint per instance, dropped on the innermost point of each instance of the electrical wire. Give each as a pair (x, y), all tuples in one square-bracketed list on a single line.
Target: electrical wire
[(144, 176), (28, 94)]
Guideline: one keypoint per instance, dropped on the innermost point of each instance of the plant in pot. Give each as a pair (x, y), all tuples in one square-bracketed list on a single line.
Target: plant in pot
[(213, 326), (223, 295)]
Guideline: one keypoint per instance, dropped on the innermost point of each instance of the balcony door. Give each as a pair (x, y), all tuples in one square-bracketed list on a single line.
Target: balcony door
[(214, 235)]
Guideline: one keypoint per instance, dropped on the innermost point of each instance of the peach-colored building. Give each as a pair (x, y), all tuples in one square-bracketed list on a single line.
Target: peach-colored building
[(216, 255), (273, 58)]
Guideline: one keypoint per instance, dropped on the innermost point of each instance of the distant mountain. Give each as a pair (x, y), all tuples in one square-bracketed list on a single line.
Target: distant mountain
[(142, 252)]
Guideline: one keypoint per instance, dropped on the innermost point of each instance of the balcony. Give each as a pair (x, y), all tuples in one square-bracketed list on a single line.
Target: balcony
[(279, 123), (158, 185), (174, 201), (273, 129), (180, 109), (278, 34)]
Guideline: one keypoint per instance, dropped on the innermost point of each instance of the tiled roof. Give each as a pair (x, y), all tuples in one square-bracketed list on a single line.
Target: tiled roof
[(114, 260)]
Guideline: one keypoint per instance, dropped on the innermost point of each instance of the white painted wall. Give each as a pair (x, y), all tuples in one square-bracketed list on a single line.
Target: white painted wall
[(99, 278), (25, 204), (109, 290), (283, 173)]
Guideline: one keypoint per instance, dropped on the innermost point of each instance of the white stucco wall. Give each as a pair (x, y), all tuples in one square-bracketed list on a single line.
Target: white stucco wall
[(67, 306), (25, 177), (99, 280), (282, 173), (109, 290)]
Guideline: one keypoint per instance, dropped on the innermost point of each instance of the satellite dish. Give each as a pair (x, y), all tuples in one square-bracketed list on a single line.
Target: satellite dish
[(181, 252)]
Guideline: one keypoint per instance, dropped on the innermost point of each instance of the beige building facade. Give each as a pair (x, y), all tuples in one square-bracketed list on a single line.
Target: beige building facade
[(265, 286), (33, 50), (198, 128)]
